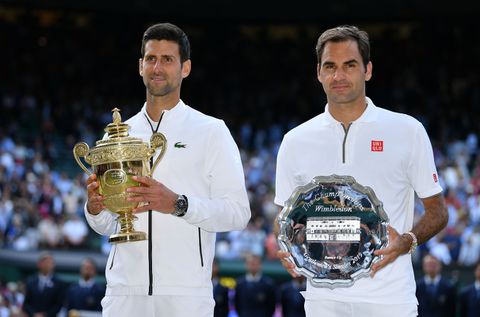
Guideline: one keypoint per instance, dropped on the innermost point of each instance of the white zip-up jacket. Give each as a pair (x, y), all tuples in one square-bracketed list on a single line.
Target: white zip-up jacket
[(202, 162)]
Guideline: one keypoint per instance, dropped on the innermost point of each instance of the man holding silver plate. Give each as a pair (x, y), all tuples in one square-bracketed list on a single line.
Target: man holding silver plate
[(346, 181)]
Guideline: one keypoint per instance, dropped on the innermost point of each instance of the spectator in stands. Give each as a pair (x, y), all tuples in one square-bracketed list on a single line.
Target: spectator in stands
[(470, 297), (291, 300), (255, 293), (74, 231), (87, 293), (220, 293), (470, 248), (45, 292), (435, 293)]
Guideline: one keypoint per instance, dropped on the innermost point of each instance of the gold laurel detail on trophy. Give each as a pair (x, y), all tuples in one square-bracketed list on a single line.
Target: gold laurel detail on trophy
[(125, 152)]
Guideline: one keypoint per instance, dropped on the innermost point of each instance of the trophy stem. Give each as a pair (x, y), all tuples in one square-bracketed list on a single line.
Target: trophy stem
[(127, 233)]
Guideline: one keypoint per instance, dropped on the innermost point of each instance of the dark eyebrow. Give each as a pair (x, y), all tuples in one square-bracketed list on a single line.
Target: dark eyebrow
[(328, 63), (352, 61)]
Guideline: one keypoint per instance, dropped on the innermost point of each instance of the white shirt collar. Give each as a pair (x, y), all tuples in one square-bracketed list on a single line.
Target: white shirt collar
[(88, 283), (429, 280), (368, 115), (250, 278)]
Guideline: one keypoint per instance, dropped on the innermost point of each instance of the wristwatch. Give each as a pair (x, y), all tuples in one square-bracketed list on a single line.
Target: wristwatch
[(414, 244), (181, 206)]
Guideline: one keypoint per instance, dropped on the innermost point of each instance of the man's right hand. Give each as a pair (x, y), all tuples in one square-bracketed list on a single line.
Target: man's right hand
[(95, 200), (284, 259)]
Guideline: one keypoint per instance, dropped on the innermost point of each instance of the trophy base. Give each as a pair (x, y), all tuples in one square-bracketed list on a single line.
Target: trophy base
[(127, 237)]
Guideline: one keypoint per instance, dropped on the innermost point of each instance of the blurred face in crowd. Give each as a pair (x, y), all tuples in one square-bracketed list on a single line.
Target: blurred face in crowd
[(342, 72), (253, 264), (87, 270), (46, 265), (431, 266), (161, 68), (477, 272)]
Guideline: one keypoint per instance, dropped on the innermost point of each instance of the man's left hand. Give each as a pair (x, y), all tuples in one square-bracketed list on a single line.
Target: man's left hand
[(397, 245), (153, 194)]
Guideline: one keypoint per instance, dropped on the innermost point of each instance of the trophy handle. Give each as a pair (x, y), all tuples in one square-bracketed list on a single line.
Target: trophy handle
[(81, 150), (158, 140)]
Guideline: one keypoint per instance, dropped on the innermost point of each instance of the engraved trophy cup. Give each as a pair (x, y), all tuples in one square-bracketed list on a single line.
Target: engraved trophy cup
[(115, 160), (331, 227)]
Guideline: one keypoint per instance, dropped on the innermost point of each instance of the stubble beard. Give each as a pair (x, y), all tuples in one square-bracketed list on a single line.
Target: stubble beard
[(160, 91)]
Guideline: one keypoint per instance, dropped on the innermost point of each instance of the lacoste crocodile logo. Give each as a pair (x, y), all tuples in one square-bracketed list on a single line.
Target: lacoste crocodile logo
[(180, 145)]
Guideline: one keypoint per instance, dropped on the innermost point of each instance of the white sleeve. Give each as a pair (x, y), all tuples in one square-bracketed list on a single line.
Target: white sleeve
[(284, 180), (422, 171), (104, 223), (228, 207)]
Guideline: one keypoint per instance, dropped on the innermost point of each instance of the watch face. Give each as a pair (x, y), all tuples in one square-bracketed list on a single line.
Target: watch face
[(181, 206)]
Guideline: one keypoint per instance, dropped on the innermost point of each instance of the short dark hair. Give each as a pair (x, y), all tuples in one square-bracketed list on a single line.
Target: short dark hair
[(345, 33), (168, 32)]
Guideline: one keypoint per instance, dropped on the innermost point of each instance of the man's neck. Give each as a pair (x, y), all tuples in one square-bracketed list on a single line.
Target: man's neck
[(157, 104), (347, 112)]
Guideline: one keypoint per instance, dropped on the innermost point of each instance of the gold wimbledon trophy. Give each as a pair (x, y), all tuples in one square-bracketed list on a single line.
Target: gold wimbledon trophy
[(115, 160)]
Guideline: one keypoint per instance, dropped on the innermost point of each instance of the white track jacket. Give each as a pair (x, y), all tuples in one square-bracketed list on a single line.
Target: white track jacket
[(202, 162)]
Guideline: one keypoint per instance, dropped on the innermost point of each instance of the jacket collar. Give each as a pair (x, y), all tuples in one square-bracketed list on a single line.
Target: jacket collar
[(173, 114), (369, 115)]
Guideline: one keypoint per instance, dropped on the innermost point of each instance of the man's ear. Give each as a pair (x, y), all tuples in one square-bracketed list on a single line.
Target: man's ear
[(140, 66), (186, 68), (368, 71)]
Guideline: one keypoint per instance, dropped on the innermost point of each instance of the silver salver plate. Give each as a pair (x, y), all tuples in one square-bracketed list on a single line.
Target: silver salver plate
[(331, 227)]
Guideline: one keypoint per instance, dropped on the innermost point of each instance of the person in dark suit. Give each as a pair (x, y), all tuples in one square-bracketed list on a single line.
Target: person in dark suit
[(436, 294), (470, 297), (87, 293), (44, 293), (290, 298), (220, 293), (254, 293)]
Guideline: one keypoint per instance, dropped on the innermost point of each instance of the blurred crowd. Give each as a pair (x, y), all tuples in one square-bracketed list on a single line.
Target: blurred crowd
[(66, 71)]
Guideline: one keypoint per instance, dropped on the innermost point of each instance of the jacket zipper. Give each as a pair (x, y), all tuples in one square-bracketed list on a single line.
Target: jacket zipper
[(345, 140), (115, 250), (150, 269), (113, 257), (200, 246)]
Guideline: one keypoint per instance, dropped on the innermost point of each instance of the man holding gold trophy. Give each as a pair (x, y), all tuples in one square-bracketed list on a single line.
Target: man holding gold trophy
[(346, 181), (164, 266)]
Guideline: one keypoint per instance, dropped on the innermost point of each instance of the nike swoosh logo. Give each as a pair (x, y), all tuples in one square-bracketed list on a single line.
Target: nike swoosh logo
[(180, 145)]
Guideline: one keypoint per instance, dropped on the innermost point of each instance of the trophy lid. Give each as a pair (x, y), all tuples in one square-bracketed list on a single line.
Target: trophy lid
[(117, 131)]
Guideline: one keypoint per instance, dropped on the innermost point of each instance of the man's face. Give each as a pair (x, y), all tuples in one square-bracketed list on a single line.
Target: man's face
[(87, 270), (431, 266), (161, 68), (253, 264), (46, 265), (342, 72)]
